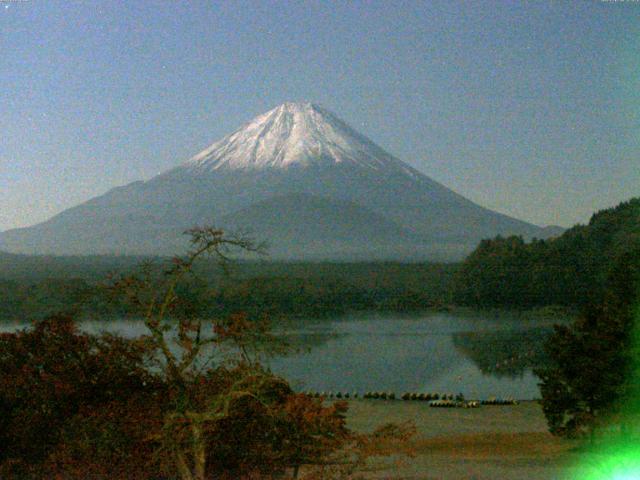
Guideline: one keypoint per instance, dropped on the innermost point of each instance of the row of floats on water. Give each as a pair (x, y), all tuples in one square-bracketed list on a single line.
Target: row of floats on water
[(442, 400)]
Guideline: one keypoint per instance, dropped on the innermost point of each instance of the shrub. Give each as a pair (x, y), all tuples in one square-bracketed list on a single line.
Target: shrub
[(54, 376)]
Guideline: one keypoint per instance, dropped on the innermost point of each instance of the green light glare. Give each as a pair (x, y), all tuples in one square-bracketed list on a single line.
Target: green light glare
[(619, 462), (619, 458), (625, 476)]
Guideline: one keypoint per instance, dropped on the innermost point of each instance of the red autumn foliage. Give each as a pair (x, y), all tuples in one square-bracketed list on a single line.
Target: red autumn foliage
[(79, 406), (52, 375)]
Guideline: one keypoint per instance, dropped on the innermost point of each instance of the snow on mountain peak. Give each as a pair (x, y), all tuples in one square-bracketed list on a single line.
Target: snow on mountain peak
[(293, 134)]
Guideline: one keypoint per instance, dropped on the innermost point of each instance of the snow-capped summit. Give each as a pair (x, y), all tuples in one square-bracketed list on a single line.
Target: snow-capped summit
[(293, 134)]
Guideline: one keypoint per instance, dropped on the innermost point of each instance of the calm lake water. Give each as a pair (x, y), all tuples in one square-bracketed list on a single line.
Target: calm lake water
[(479, 355)]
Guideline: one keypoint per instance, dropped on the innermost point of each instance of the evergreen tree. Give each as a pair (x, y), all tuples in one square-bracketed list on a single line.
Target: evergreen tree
[(592, 374)]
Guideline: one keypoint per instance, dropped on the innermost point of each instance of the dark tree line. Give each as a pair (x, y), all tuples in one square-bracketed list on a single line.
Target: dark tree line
[(570, 270), (312, 290)]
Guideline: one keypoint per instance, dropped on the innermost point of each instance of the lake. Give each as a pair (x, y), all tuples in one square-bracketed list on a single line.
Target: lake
[(480, 354)]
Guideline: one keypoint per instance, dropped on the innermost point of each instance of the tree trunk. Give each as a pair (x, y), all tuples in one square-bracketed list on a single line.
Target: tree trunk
[(183, 469), (199, 451)]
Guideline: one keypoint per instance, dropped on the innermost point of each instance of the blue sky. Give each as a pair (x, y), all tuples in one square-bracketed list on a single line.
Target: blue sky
[(529, 108)]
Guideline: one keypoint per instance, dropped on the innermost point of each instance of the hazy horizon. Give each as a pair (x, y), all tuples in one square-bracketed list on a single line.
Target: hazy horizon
[(528, 109)]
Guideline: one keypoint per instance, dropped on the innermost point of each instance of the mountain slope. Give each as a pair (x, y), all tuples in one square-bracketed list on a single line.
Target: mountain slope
[(295, 149), (302, 225)]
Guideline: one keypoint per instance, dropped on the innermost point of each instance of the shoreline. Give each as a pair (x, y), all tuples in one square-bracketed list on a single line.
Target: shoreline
[(507, 443)]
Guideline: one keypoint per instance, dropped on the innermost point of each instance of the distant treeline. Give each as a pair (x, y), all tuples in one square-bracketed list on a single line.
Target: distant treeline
[(34, 268), (34, 287), (569, 270)]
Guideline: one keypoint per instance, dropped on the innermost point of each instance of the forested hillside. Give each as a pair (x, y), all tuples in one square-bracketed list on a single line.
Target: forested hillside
[(569, 270), (34, 287)]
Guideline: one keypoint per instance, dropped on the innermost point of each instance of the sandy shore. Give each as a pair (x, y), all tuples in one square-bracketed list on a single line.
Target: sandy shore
[(491, 442)]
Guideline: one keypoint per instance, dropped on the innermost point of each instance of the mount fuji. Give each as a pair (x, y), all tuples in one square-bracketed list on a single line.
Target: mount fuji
[(299, 178)]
